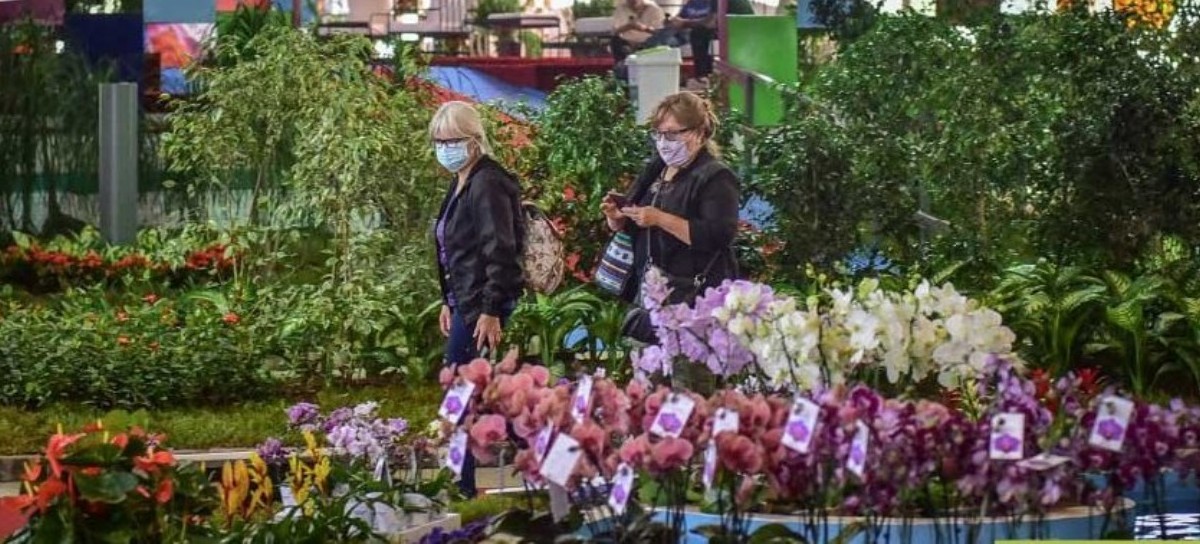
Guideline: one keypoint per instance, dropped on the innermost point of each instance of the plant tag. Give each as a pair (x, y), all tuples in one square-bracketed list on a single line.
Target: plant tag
[(287, 497), (1007, 441), (1043, 461), (560, 461), (560, 502), (456, 401), (1112, 420), (725, 420), (457, 453), (801, 425), (710, 466), (542, 443), (856, 462), (582, 398), (673, 416), (621, 488)]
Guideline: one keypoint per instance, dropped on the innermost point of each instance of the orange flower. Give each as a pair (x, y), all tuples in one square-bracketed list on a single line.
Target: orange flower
[(123, 340), (121, 440), (166, 489), (91, 471), (122, 317), (231, 319)]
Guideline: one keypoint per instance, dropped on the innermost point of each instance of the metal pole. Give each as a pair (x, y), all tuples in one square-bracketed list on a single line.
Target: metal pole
[(118, 162), (723, 29)]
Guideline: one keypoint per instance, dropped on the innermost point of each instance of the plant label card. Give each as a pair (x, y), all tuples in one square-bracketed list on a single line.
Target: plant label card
[(725, 420), (1112, 420), (801, 426), (456, 401), (1043, 462), (673, 416), (457, 453), (622, 487), (710, 466), (541, 443), (582, 398), (856, 461), (560, 461), (1007, 441)]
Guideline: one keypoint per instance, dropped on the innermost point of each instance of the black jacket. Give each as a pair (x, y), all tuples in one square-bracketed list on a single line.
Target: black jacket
[(484, 239), (710, 205)]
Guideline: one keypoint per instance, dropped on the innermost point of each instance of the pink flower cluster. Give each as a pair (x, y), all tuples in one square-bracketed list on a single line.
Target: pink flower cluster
[(910, 445)]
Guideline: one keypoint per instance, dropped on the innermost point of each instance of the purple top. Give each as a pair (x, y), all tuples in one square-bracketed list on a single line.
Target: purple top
[(440, 232)]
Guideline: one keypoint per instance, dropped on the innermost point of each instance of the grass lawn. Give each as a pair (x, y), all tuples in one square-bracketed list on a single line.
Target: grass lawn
[(239, 426)]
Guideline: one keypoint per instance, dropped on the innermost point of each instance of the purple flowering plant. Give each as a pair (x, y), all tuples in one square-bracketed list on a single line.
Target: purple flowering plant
[(356, 432)]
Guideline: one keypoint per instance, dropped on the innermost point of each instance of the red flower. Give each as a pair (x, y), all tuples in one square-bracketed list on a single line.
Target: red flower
[(56, 448), (568, 193), (33, 472), (123, 340), (166, 489), (121, 440), (91, 471), (151, 462), (150, 298), (122, 317), (47, 492), (231, 319)]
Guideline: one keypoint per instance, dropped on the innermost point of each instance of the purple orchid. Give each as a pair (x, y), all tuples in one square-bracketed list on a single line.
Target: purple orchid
[(303, 414)]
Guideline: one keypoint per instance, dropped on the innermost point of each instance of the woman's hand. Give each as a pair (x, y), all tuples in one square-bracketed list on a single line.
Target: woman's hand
[(644, 216), (612, 214), (444, 321), (487, 332)]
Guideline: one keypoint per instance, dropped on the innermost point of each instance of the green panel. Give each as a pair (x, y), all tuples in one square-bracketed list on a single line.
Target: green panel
[(766, 45)]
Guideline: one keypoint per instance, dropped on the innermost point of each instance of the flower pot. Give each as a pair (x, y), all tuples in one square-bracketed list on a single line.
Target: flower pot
[(1067, 523)]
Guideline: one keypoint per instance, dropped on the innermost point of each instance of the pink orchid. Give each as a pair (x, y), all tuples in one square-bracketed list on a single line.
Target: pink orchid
[(591, 437), (739, 454), (540, 375), (485, 433), (479, 372), (669, 454), (636, 451)]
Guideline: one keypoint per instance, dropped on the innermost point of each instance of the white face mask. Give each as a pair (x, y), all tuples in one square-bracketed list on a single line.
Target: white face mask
[(673, 153)]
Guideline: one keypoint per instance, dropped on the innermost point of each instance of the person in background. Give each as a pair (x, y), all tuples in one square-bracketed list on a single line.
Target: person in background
[(479, 236), (682, 211), (699, 19), (634, 21)]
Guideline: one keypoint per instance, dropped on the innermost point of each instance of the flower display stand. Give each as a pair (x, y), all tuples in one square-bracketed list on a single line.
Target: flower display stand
[(1067, 523), (421, 524)]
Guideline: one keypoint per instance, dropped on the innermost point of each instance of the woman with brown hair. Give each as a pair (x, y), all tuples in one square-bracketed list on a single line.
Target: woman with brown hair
[(682, 212)]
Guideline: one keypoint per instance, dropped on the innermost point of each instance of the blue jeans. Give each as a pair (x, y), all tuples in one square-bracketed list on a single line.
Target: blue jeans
[(460, 350)]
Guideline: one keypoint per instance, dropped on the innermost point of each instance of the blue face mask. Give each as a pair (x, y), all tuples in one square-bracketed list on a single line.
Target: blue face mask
[(453, 156)]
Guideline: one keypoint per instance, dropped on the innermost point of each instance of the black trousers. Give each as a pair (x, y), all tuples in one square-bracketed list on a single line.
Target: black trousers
[(620, 48), (701, 39)]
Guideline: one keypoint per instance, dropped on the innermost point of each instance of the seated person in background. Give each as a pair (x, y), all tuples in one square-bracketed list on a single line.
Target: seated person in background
[(699, 19), (634, 21)]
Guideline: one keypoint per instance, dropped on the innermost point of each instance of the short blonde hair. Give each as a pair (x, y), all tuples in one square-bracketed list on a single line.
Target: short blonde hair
[(460, 120)]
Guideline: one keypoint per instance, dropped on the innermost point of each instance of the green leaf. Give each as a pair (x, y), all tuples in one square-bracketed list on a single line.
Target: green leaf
[(775, 533), (1127, 316), (849, 532), (109, 487)]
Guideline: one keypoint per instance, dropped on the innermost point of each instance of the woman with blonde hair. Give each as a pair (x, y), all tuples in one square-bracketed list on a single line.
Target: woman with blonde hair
[(479, 237), (682, 212)]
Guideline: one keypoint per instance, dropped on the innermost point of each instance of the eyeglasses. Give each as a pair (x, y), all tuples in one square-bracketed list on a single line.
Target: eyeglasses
[(669, 135), (448, 141)]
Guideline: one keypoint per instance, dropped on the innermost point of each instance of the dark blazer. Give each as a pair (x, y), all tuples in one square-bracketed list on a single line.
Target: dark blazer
[(710, 205), (484, 239)]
